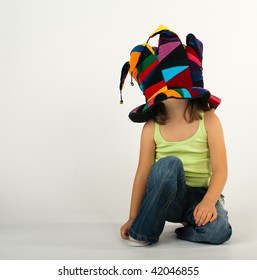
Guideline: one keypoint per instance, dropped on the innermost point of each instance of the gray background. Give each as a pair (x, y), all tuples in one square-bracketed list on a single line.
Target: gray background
[(68, 151)]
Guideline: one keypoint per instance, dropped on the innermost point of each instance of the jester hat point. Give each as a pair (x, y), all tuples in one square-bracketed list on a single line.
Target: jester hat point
[(170, 70)]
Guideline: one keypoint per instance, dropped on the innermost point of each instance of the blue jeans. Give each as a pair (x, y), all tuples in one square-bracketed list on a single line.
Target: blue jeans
[(167, 198)]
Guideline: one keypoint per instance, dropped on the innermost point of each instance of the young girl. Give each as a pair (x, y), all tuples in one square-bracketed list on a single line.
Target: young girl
[(182, 167)]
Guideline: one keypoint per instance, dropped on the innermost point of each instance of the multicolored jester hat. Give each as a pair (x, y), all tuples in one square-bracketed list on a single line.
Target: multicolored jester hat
[(170, 70)]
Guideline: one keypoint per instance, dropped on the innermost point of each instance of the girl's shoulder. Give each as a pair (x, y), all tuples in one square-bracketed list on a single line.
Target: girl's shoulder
[(211, 120), (148, 130), (149, 125)]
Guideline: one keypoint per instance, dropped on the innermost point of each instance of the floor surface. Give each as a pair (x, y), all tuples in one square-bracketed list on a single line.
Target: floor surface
[(95, 241)]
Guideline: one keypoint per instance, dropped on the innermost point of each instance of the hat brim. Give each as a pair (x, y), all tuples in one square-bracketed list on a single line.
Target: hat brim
[(146, 111)]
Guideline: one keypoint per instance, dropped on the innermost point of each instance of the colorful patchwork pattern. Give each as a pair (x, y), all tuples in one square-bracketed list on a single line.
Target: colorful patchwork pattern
[(170, 70)]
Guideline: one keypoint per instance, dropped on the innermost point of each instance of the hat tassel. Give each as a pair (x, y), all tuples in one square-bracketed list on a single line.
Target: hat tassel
[(121, 100), (124, 73)]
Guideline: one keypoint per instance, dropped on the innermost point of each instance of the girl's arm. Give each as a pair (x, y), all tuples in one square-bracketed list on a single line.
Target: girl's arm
[(205, 211), (146, 160)]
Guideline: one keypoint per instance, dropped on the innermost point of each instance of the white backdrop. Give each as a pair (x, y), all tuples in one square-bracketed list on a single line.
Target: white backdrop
[(68, 151)]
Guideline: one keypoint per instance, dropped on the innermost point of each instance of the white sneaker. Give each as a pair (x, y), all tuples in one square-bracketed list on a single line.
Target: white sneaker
[(137, 243)]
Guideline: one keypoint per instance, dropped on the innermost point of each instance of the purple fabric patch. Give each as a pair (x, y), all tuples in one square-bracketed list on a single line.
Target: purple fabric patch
[(166, 49)]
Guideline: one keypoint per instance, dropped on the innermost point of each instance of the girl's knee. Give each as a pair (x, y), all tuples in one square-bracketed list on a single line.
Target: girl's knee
[(167, 175), (168, 168), (218, 231), (210, 233), (169, 165)]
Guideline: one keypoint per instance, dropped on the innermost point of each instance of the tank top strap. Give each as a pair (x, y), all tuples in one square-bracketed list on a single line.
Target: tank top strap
[(201, 123), (156, 131)]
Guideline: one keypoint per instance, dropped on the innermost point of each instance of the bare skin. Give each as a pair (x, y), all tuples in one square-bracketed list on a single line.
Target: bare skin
[(178, 129)]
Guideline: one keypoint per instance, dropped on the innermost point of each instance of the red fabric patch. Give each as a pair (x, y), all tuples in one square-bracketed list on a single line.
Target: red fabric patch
[(182, 80), (153, 89), (192, 51), (214, 101)]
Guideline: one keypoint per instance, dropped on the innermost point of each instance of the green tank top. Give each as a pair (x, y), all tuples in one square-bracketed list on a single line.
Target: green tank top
[(193, 152)]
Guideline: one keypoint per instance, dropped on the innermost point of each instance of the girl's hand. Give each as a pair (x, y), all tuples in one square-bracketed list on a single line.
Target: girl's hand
[(205, 212), (124, 229)]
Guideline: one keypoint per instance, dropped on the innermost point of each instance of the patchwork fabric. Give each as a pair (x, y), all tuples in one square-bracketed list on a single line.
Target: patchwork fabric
[(170, 70)]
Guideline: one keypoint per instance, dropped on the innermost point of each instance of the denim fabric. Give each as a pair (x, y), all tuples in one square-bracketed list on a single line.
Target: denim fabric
[(167, 198)]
